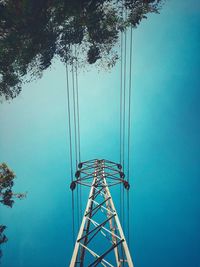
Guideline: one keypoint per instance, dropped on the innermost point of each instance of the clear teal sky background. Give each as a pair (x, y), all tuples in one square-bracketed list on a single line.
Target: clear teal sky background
[(165, 149)]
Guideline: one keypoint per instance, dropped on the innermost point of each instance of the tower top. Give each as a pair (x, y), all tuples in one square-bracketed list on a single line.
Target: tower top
[(99, 168)]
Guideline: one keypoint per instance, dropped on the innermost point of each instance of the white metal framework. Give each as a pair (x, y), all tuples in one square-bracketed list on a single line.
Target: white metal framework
[(100, 240)]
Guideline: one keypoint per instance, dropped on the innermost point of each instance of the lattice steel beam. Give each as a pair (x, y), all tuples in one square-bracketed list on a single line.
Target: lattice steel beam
[(100, 240)]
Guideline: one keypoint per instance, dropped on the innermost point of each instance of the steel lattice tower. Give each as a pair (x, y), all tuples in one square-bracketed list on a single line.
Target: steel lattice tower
[(100, 240)]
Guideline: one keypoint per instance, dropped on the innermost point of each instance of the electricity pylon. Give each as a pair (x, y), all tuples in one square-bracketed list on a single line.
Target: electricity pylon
[(100, 240)]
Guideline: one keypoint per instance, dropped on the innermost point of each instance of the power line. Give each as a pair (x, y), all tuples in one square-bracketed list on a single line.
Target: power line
[(74, 115), (77, 102), (70, 148), (78, 124), (75, 135), (124, 101), (129, 102), (129, 130), (120, 133), (124, 116)]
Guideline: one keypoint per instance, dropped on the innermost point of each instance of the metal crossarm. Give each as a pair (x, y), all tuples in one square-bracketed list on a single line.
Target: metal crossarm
[(100, 225)]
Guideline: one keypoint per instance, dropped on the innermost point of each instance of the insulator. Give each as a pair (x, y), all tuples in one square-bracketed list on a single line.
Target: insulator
[(77, 174), (122, 175), (126, 185), (72, 185), (119, 166), (80, 165)]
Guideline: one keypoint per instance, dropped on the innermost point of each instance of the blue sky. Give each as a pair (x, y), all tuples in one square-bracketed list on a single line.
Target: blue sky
[(165, 148)]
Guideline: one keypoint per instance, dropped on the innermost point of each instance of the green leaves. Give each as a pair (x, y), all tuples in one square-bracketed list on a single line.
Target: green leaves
[(6, 195), (93, 54), (33, 32), (6, 184)]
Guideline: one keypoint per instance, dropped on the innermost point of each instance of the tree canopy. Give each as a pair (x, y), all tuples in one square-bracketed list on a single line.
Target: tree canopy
[(34, 32), (6, 195)]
